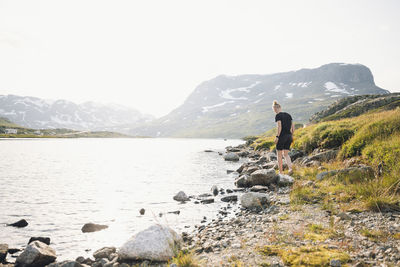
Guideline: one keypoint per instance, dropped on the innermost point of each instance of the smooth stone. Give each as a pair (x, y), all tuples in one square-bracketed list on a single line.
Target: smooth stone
[(258, 188), (229, 198), (207, 201), (181, 196), (19, 224), (262, 177), (92, 227), (231, 157), (253, 200), (156, 243), (214, 190), (142, 211)]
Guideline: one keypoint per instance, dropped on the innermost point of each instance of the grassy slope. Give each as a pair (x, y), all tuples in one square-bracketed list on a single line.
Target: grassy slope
[(6, 123), (370, 139)]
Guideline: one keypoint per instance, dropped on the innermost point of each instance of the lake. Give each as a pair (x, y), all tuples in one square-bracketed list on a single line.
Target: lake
[(58, 185)]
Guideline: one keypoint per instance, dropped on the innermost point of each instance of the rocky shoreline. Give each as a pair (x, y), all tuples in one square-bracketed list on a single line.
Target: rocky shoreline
[(258, 226)]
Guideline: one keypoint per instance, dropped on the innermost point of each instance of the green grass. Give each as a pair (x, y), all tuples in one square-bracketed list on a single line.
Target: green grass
[(324, 135), (305, 255), (186, 259)]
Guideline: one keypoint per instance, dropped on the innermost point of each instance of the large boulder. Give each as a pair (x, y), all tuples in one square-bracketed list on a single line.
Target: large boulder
[(231, 157), (181, 196), (36, 254), (262, 177), (92, 227), (3, 252), (156, 243), (253, 200), (285, 180)]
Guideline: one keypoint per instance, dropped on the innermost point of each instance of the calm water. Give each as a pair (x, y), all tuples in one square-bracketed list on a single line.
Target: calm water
[(58, 185)]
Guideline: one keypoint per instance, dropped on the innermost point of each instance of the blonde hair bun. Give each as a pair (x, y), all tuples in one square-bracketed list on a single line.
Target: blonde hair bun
[(275, 104)]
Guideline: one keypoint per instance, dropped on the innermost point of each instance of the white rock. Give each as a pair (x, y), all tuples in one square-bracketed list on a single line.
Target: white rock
[(36, 254), (156, 243)]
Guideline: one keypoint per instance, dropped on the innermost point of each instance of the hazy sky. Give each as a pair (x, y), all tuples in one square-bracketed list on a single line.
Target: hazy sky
[(150, 55)]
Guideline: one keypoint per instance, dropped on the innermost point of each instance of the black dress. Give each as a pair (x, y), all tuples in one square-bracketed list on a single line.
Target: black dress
[(285, 138)]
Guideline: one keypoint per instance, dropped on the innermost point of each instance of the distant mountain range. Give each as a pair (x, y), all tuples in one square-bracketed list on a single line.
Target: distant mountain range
[(237, 106), (223, 107), (32, 112)]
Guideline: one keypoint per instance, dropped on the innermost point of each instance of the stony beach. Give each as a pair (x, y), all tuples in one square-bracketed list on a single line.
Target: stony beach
[(258, 225)]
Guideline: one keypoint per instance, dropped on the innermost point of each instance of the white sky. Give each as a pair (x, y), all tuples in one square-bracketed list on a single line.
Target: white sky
[(150, 55)]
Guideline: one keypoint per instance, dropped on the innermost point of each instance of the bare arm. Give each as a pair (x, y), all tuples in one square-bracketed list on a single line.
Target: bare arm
[(279, 128)]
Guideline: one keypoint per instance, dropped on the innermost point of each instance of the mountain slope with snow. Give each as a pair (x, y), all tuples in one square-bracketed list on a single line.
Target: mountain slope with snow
[(38, 113), (236, 106)]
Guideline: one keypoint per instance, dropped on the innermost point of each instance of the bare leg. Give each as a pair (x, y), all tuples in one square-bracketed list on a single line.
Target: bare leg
[(287, 159), (280, 161)]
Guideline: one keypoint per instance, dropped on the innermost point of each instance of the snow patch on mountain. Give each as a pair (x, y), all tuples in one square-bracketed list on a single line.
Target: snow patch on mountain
[(227, 93), (289, 95), (330, 86), (207, 108)]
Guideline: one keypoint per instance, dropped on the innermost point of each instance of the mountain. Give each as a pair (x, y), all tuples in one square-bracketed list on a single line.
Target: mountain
[(237, 106), (38, 113)]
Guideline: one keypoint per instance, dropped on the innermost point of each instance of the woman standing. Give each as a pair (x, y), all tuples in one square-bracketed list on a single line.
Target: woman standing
[(284, 136)]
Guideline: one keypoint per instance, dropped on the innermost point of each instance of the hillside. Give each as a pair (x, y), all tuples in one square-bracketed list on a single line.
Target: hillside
[(237, 106), (36, 113), (6, 123), (357, 105), (372, 139)]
